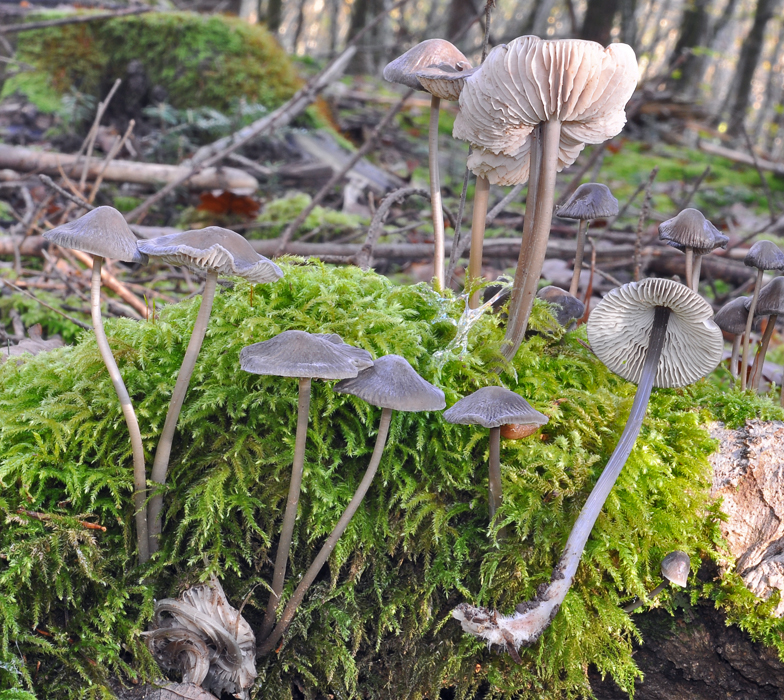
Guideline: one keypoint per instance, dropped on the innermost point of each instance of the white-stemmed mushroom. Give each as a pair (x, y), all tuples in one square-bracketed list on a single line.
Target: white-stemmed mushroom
[(306, 356), (771, 304), (104, 233), (675, 569), (215, 251), (392, 384), (656, 333)]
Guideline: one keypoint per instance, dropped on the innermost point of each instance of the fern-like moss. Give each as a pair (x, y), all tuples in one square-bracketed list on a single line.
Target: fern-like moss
[(377, 623)]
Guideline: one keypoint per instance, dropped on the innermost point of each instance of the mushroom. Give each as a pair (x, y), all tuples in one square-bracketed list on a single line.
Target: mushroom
[(104, 233), (533, 105), (763, 255), (770, 303), (567, 306), (588, 202), (305, 356), (216, 251), (437, 67), (657, 333), (392, 384), (675, 569), (492, 407), (731, 318), (691, 233)]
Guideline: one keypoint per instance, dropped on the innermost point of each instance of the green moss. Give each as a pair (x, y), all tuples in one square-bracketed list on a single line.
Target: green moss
[(200, 60), (278, 213), (377, 623)]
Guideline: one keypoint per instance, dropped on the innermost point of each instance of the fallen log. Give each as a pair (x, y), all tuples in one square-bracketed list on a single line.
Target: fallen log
[(740, 157)]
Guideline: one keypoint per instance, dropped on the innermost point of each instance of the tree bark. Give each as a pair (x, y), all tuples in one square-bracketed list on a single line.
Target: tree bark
[(598, 21), (274, 14), (683, 62)]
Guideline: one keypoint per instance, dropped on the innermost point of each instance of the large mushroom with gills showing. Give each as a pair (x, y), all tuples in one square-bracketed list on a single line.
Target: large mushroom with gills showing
[(731, 318), (104, 233), (306, 356), (214, 251), (771, 304), (392, 384), (675, 569), (656, 333)]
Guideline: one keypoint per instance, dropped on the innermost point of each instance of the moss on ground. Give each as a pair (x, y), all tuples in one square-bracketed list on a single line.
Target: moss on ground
[(377, 622)]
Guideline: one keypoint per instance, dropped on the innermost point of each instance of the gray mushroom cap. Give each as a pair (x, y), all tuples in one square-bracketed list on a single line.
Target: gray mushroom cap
[(568, 307), (493, 406), (301, 354), (589, 201), (432, 53), (765, 255), (393, 383), (103, 232), (732, 317), (675, 567), (690, 229), (213, 248), (771, 299), (619, 331)]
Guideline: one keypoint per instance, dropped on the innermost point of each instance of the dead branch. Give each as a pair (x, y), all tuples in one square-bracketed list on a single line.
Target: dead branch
[(25, 27)]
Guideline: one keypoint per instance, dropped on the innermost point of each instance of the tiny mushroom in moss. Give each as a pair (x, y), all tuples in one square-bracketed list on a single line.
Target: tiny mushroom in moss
[(771, 304), (568, 307), (675, 569)]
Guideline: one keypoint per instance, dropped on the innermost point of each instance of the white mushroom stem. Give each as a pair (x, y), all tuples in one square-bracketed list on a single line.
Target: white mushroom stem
[(734, 356), (290, 515), (638, 603), (139, 472), (481, 198), (582, 228), (495, 488), (695, 274), (310, 575), (435, 195), (759, 362), (533, 617), (160, 465), (689, 267), (747, 334)]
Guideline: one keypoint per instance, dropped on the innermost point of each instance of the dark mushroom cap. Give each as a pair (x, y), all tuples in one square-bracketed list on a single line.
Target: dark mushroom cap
[(589, 201), (567, 306), (771, 299), (690, 229), (301, 354), (732, 317), (393, 383), (213, 248), (493, 406), (435, 53), (675, 567), (765, 255), (103, 232), (619, 331)]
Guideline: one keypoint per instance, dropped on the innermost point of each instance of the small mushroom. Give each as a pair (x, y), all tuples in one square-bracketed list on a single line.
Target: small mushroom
[(771, 304), (588, 202), (568, 307), (731, 318), (306, 356), (675, 569), (392, 384), (104, 233)]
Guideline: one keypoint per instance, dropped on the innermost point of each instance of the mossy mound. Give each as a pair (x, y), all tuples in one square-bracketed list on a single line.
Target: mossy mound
[(198, 60), (377, 623)]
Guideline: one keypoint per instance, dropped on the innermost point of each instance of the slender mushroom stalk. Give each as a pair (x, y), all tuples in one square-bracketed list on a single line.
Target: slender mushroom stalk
[(759, 360), (674, 569), (695, 275), (481, 199), (689, 267), (734, 356), (435, 194), (494, 472), (731, 318), (769, 303), (744, 367), (582, 228)]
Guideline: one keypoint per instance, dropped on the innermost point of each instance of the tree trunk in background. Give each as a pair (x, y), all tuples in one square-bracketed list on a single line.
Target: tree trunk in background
[(249, 11), (460, 13), (300, 24), (772, 93), (629, 23), (274, 13), (599, 19), (684, 64), (359, 16), (334, 26)]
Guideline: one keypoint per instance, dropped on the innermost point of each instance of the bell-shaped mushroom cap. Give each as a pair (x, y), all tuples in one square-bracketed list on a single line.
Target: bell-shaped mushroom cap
[(765, 255), (732, 317), (619, 331), (690, 229), (432, 53), (771, 299), (493, 406), (589, 201), (393, 383), (213, 248), (567, 306), (444, 81), (675, 567), (528, 81), (301, 354), (102, 231)]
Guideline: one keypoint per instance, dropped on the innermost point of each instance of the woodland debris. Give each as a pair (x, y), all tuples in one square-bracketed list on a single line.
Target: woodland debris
[(740, 157), (79, 19)]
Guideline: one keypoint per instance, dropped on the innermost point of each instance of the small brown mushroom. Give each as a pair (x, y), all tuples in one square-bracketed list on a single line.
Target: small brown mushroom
[(675, 569), (731, 318)]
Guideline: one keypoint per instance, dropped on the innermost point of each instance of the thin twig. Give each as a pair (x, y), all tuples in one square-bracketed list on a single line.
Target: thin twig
[(115, 149), (24, 27), (91, 136), (644, 210), (765, 186), (79, 201), (604, 274), (498, 208), (687, 199), (73, 320), (574, 183)]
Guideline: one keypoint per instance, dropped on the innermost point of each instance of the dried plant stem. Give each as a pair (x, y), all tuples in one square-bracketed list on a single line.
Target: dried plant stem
[(481, 199), (435, 195), (744, 366)]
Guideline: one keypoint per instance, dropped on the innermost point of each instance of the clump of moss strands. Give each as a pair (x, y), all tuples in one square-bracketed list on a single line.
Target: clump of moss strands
[(377, 623)]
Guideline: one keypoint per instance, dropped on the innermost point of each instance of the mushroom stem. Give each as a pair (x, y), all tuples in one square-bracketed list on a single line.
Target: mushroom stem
[(496, 490), (734, 356), (139, 471), (326, 549), (481, 198), (534, 617), (582, 228), (695, 274), (435, 195), (689, 267), (290, 515), (638, 603), (534, 246), (160, 465), (747, 334), (759, 362)]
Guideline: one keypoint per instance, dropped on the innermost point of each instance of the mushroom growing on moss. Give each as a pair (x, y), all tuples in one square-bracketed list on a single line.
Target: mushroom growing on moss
[(675, 569), (771, 304), (731, 318)]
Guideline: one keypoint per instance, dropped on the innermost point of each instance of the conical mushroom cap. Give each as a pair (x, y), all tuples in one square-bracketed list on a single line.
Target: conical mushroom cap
[(567, 306), (765, 255), (213, 248), (102, 231), (301, 354), (589, 201), (393, 383), (675, 568), (771, 299), (690, 229), (619, 331), (732, 317), (493, 406), (440, 54)]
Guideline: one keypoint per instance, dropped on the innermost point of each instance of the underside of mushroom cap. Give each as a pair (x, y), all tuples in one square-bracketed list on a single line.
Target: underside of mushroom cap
[(731, 317), (589, 201), (619, 330), (568, 306), (213, 248), (771, 299), (493, 406), (765, 255), (443, 81), (102, 231), (437, 53), (393, 383), (301, 354), (691, 229), (675, 568)]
